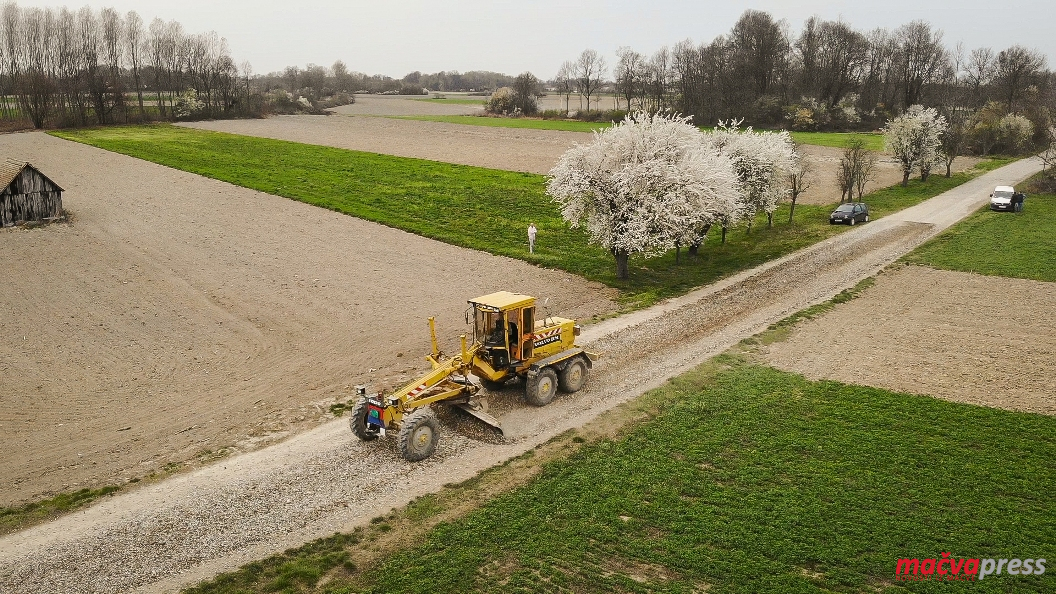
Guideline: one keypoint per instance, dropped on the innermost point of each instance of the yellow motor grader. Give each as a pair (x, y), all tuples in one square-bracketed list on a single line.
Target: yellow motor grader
[(508, 342)]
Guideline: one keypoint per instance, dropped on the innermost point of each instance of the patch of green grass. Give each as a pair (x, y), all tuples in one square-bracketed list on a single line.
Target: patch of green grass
[(473, 207), (494, 122), (873, 142), (23, 516), (447, 101), (1019, 245), (296, 570), (756, 480)]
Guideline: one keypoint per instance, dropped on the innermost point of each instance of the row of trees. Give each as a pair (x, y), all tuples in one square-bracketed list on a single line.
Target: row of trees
[(829, 76), (654, 182), (64, 68)]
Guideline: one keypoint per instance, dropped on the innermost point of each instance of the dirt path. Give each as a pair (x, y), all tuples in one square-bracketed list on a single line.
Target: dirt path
[(194, 525), (962, 337), (179, 316), (530, 151)]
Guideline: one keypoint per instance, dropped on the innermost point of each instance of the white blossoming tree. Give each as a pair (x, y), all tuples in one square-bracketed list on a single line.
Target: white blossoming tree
[(643, 186), (914, 138), (762, 161)]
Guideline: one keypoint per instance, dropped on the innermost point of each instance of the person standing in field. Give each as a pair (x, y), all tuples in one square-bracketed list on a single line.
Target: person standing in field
[(532, 232)]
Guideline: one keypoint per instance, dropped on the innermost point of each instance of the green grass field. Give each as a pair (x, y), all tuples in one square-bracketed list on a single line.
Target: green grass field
[(524, 123), (1021, 245), (447, 101), (747, 480), (873, 142), (478, 208)]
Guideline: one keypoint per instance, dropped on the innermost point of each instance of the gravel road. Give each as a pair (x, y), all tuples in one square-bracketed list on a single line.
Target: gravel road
[(190, 527)]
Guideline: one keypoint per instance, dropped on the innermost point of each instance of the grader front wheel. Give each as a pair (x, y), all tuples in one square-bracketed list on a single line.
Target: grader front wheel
[(358, 422), (540, 390), (419, 435)]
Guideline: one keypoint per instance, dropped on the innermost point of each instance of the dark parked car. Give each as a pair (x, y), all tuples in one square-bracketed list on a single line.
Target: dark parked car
[(850, 213)]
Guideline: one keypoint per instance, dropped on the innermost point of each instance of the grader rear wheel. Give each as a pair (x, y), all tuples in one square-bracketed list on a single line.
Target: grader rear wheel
[(573, 376), (540, 390), (358, 422), (419, 435)]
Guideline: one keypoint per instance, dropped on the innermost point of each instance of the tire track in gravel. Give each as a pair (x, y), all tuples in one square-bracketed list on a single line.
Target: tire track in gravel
[(191, 527)]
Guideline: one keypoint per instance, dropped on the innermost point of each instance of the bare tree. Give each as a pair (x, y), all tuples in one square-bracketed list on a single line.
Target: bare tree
[(800, 176), (922, 56), (629, 74), (134, 50), (842, 54), (1017, 68), (856, 169), (979, 72), (36, 75), (760, 50), (589, 70), (565, 81), (1048, 153), (525, 90), (658, 77), (111, 37)]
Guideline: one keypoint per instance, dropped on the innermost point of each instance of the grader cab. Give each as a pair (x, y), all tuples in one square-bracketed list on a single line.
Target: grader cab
[(509, 341)]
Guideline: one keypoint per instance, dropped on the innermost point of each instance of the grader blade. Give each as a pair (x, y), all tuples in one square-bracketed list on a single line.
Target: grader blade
[(478, 412)]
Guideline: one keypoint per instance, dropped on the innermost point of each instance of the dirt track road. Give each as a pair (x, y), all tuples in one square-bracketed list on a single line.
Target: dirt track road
[(192, 526)]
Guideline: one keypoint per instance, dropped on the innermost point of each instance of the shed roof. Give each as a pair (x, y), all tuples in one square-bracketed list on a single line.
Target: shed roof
[(10, 168)]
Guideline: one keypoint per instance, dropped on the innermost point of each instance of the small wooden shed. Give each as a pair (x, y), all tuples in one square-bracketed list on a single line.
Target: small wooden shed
[(28, 195)]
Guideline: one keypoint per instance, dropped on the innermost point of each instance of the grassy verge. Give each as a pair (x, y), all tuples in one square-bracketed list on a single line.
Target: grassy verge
[(478, 208), (749, 479), (23, 516), (873, 142), (1020, 245)]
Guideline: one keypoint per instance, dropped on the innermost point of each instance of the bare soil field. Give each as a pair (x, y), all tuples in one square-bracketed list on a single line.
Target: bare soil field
[(397, 105), (178, 318), (962, 337), (512, 149)]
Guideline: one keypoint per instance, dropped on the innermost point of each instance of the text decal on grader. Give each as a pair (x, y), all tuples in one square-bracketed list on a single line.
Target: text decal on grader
[(508, 343)]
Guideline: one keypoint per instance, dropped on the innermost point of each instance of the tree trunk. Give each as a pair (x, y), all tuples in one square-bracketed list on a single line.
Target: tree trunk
[(724, 229), (791, 209), (948, 167), (769, 219), (621, 264), (924, 175), (905, 178)]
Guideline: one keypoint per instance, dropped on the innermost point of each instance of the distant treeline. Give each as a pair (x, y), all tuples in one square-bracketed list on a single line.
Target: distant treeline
[(64, 68), (318, 82), (829, 76)]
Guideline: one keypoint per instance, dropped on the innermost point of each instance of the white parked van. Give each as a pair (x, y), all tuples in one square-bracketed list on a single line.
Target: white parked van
[(1001, 199)]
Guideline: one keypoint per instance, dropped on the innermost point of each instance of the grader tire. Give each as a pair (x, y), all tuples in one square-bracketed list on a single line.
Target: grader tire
[(573, 376), (419, 435), (540, 390), (358, 422)]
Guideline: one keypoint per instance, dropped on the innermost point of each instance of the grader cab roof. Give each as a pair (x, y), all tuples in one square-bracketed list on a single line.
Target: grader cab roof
[(502, 301)]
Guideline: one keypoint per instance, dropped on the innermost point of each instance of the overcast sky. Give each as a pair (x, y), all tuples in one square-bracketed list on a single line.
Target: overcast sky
[(394, 37)]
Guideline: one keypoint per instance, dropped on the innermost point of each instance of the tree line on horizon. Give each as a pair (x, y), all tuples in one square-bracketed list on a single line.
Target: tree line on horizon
[(828, 77), (60, 67)]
